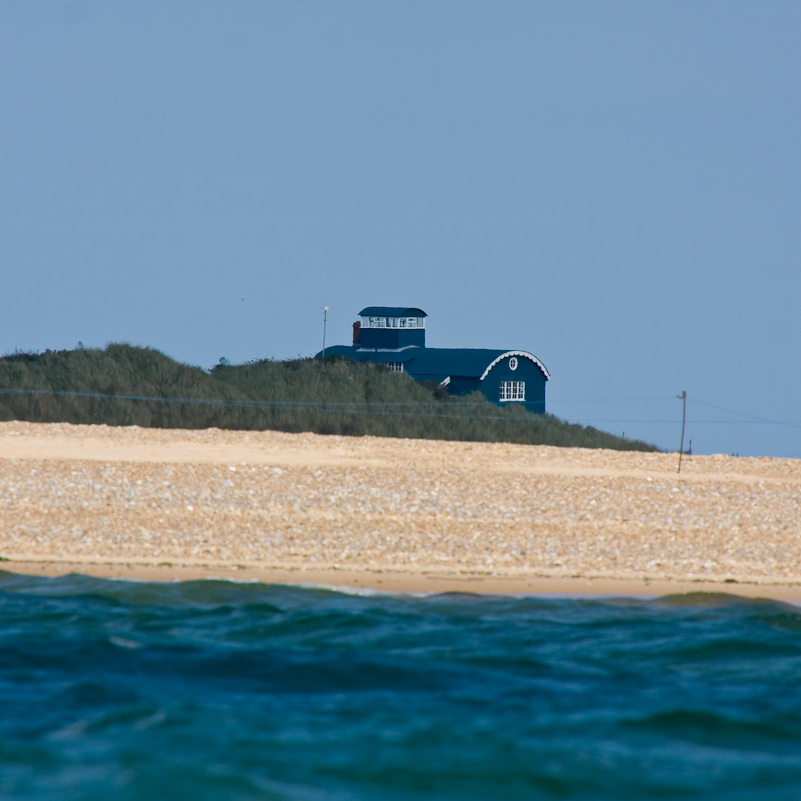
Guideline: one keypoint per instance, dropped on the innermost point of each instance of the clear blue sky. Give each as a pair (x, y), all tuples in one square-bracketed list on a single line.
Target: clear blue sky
[(613, 186)]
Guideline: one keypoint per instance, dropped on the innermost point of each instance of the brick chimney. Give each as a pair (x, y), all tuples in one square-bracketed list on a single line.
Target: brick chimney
[(357, 330)]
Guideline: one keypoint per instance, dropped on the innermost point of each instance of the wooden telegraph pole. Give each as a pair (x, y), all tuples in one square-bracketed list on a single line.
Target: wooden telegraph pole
[(683, 399)]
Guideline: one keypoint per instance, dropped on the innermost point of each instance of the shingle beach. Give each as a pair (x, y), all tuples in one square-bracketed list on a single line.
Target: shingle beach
[(393, 513)]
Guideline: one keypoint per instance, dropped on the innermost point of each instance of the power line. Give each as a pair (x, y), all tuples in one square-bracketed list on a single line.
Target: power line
[(754, 417), (790, 423), (615, 400), (228, 401), (325, 407), (394, 407)]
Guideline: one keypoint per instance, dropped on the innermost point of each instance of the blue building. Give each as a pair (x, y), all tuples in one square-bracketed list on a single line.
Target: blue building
[(396, 337)]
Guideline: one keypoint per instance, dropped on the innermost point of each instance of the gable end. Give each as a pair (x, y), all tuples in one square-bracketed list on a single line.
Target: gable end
[(522, 353)]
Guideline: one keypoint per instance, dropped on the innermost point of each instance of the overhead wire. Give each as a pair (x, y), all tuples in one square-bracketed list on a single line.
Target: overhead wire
[(369, 407), (754, 419)]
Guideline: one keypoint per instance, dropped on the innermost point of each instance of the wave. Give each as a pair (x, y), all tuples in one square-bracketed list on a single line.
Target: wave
[(242, 690)]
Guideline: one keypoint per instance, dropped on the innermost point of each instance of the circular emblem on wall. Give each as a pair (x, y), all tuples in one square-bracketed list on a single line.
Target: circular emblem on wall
[(513, 363)]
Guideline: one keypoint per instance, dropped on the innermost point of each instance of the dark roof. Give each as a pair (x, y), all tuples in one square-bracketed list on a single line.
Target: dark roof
[(441, 362), (341, 350), (462, 362), (391, 311), (435, 363)]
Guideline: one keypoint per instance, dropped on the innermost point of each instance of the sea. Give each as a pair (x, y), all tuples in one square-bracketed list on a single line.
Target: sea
[(223, 690)]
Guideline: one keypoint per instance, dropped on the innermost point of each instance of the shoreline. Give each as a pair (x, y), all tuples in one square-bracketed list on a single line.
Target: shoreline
[(394, 514), (407, 581)]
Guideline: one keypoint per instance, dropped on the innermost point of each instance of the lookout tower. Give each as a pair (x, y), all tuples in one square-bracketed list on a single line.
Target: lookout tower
[(390, 328)]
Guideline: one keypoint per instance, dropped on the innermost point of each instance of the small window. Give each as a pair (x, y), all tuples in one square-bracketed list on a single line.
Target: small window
[(411, 322), (378, 322), (396, 367), (513, 391), (402, 322), (513, 363)]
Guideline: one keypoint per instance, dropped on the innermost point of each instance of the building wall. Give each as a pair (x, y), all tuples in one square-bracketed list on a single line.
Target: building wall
[(526, 371), (440, 367), (393, 338)]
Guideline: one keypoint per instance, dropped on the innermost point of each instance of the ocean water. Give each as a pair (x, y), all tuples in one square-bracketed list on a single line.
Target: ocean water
[(222, 690)]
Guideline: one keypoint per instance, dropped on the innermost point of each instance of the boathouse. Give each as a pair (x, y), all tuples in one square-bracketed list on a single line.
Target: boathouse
[(396, 336)]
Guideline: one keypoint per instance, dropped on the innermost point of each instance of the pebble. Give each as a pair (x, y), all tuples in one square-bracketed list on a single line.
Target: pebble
[(373, 502)]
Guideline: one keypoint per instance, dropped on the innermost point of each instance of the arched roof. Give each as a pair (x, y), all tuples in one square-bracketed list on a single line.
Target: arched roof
[(438, 363), (522, 353)]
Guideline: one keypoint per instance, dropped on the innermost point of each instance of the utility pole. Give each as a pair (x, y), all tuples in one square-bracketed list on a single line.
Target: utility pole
[(325, 321), (683, 399)]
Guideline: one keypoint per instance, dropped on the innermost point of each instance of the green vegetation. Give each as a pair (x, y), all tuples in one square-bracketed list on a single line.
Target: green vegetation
[(332, 396)]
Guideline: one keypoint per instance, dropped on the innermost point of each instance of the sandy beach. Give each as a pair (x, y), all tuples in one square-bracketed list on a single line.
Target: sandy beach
[(391, 514)]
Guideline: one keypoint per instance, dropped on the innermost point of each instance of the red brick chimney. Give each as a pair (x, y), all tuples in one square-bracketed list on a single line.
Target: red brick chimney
[(357, 326)]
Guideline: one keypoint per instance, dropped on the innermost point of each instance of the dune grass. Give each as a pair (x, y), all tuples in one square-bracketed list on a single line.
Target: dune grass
[(129, 385)]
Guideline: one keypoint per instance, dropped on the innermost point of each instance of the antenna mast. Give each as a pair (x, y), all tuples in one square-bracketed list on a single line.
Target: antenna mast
[(325, 321)]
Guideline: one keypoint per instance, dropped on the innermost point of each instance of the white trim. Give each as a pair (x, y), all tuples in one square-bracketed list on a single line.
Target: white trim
[(512, 391), (377, 321), (386, 350), (516, 353), (445, 382)]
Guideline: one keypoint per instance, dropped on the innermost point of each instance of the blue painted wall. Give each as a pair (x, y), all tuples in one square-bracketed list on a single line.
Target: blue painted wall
[(526, 371), (392, 338)]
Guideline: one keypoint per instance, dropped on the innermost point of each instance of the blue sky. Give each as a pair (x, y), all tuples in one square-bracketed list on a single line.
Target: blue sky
[(613, 186)]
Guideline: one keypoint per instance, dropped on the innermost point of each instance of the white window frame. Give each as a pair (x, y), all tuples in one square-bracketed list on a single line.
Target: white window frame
[(512, 391), (513, 363), (393, 322), (395, 367)]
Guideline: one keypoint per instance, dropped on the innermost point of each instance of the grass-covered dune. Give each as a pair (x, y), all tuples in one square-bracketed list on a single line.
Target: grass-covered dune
[(128, 385)]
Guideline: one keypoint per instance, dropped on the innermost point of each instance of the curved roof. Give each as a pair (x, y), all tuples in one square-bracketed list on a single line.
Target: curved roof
[(391, 311), (438, 363), (524, 355), (467, 362)]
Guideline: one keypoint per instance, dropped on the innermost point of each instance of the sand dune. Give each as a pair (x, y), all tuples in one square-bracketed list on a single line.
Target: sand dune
[(394, 514)]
